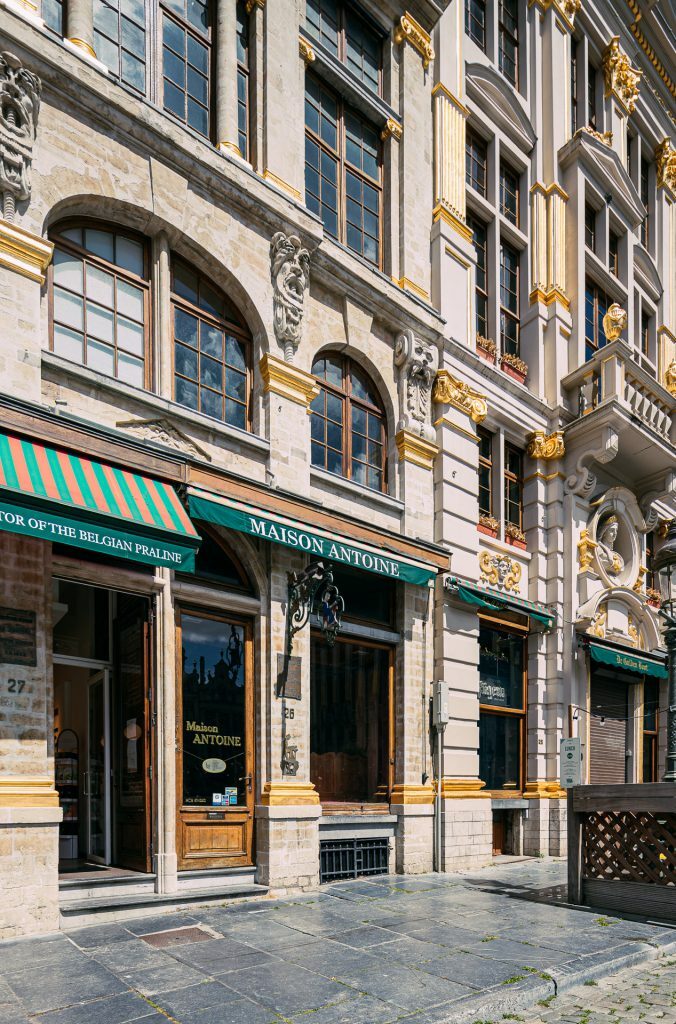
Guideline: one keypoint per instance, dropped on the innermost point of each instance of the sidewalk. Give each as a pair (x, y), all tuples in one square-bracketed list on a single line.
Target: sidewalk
[(422, 949)]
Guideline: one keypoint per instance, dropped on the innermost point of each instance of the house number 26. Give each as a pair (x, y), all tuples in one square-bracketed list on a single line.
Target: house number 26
[(289, 712)]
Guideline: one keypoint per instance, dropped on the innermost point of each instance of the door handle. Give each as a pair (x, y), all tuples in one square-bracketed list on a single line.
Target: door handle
[(85, 786), (248, 779)]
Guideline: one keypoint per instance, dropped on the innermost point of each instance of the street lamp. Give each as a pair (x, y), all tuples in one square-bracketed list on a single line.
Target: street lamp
[(665, 566)]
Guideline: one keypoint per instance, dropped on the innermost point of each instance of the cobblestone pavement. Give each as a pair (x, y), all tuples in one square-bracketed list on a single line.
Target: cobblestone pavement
[(433, 949)]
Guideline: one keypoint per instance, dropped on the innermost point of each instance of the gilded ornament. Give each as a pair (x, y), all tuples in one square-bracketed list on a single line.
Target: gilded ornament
[(486, 344), (392, 129), (500, 571), (408, 30), (250, 4), (605, 137), (665, 158), (448, 390), (515, 362), (653, 596), (614, 322), (638, 585), (489, 522), (670, 377), (513, 531), (597, 626), (306, 51), (546, 446), (632, 632), (585, 551), (620, 77)]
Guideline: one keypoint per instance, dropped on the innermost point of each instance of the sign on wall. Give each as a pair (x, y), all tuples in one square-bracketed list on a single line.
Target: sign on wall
[(571, 763)]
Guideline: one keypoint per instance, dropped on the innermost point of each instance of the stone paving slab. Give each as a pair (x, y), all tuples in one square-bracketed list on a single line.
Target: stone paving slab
[(434, 949)]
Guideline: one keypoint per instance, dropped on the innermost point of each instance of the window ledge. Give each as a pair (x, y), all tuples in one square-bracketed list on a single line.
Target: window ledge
[(512, 234), (504, 548), (596, 268), (329, 481), (64, 371)]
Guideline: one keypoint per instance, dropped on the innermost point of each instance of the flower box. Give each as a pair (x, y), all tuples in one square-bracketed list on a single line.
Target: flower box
[(514, 368)]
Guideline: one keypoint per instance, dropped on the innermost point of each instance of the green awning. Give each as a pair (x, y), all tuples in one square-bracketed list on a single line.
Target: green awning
[(483, 597), (236, 515), (70, 499), (644, 664)]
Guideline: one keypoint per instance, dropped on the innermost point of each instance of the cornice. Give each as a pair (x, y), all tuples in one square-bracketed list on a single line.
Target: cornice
[(410, 31), (24, 252), (288, 380)]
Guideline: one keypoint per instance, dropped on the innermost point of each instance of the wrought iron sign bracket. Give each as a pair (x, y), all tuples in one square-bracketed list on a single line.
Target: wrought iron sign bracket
[(313, 584)]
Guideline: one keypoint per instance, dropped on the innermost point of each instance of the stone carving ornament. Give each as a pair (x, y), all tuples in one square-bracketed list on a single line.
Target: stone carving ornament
[(614, 322), (546, 446), (19, 106), (500, 571), (417, 361), (290, 271), (665, 159), (620, 77)]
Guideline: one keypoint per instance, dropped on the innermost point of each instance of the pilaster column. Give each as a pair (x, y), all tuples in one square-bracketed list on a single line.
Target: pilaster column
[(162, 369), (621, 93), (80, 25), (284, 97), (226, 77), (548, 247), (450, 117)]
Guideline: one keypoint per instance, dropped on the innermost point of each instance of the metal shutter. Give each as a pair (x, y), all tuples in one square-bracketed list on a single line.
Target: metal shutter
[(608, 740)]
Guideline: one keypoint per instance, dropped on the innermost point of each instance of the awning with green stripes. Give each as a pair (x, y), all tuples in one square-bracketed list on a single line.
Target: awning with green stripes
[(629, 661), (70, 499), (482, 597)]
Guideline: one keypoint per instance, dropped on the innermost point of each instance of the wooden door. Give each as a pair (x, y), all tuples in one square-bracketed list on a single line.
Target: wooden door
[(214, 740), (132, 746), (498, 833)]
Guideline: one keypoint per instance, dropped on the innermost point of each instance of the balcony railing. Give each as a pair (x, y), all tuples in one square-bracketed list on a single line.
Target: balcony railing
[(612, 375)]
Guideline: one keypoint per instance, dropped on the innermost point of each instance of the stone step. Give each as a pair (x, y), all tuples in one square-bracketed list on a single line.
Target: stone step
[(82, 912)]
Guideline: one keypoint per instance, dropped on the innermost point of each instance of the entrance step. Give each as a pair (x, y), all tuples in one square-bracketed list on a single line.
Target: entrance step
[(215, 878), (105, 886), (78, 913)]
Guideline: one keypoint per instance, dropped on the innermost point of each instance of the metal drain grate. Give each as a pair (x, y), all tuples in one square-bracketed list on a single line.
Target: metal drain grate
[(176, 937), (350, 858)]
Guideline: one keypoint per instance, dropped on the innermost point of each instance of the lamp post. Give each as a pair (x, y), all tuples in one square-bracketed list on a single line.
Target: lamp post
[(665, 566)]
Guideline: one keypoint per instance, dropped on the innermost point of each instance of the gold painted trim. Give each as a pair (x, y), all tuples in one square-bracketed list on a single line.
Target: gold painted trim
[(23, 252), (442, 212), (567, 9), (546, 446), (409, 30), (550, 297), (413, 448), (620, 77), (454, 426), (250, 4), (81, 44), (410, 286), (463, 789), (410, 794), (270, 176), (306, 51), (665, 161), (449, 390), (441, 88), (18, 791), (289, 794), (392, 130), (648, 50), (546, 477), (544, 789), (290, 381), (229, 147)]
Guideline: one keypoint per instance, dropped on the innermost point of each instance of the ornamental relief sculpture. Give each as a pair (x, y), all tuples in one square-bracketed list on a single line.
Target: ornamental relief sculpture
[(665, 160), (546, 446), (500, 571), (290, 272), (417, 361), (620, 77), (19, 106), (449, 390)]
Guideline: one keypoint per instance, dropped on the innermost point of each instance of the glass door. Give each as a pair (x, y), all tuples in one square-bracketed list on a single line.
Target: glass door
[(97, 773)]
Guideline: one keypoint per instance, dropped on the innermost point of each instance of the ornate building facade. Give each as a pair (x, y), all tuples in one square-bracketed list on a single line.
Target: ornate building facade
[(338, 362)]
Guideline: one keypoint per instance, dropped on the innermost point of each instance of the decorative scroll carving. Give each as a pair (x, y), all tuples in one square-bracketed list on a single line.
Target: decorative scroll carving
[(583, 481), (620, 77), (597, 627), (614, 322), (605, 137), (306, 51), (665, 159), (417, 361), (19, 107), (392, 129), (290, 271), (500, 571), (304, 587), (448, 390), (546, 446), (408, 30), (162, 432), (585, 551)]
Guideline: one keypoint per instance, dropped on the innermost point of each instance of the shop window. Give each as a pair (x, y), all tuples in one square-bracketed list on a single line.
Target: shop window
[(485, 472), (480, 239), (475, 162), (475, 21), (514, 486), (509, 194), (100, 300), (186, 62), (508, 39), (595, 308), (370, 599), (348, 423), (651, 703), (509, 300), (81, 617), (502, 707), (212, 349), (214, 564), (120, 40), (343, 172), (348, 37), (242, 79), (350, 721), (590, 227), (613, 253)]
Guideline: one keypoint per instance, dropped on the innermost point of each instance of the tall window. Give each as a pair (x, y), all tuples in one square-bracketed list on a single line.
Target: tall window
[(348, 423), (596, 303), (485, 472), (343, 174), (120, 40), (100, 300), (509, 300), (513, 486), (211, 349), (475, 162), (508, 42), (479, 235), (590, 227), (345, 34), (591, 96), (645, 334), (651, 704), (186, 62), (242, 79), (574, 116), (509, 193), (645, 199), (614, 253), (502, 696), (475, 21), (52, 15)]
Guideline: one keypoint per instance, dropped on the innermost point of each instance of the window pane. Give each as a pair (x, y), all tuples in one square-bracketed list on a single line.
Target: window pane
[(100, 322), (68, 343), (129, 254), (186, 361), (186, 393), (211, 373), (130, 301), (68, 309), (235, 353), (211, 403), (130, 369), (235, 414), (185, 327), (101, 357), (212, 341), (100, 243), (235, 385), (68, 270), (500, 751), (130, 336), (100, 286)]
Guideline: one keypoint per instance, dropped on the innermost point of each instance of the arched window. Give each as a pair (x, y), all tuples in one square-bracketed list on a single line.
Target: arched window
[(212, 349), (100, 300), (348, 423), (216, 565)]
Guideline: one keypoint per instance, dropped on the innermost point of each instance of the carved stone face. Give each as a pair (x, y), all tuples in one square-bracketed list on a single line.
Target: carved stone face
[(19, 105), (290, 276), (609, 534)]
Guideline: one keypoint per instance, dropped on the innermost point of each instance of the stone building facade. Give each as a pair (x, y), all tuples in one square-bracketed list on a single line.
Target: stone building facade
[(294, 285)]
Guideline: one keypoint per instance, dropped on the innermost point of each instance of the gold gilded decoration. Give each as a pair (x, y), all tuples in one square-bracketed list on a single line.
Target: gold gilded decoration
[(665, 159), (289, 794), (270, 176), (411, 286), (443, 211), (489, 522), (614, 322), (620, 77), (670, 377), (513, 531), (408, 30), (650, 53), (653, 596), (638, 585), (306, 51), (408, 793), (597, 627), (463, 789), (229, 147), (448, 390), (544, 789), (585, 551), (605, 137), (500, 571), (285, 379), (81, 44), (633, 632), (546, 446), (392, 130), (567, 8), (663, 528), (250, 4), (416, 449), (516, 363), (486, 345), (23, 252), (23, 791)]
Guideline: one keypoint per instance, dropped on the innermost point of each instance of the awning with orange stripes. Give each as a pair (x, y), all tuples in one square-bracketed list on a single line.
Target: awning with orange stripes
[(70, 499)]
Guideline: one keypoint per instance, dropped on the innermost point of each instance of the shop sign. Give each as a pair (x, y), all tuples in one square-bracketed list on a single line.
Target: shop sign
[(492, 693), (571, 763), (17, 637)]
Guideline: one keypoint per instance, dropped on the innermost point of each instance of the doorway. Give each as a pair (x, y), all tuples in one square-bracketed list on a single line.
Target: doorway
[(102, 727)]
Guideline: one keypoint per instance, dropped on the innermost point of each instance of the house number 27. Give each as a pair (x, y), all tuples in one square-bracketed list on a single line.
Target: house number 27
[(15, 685)]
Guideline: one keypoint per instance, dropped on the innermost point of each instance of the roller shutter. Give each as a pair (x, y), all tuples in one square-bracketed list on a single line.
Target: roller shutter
[(608, 731)]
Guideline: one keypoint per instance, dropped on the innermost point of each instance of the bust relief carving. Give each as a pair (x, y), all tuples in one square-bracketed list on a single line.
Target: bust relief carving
[(610, 559)]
